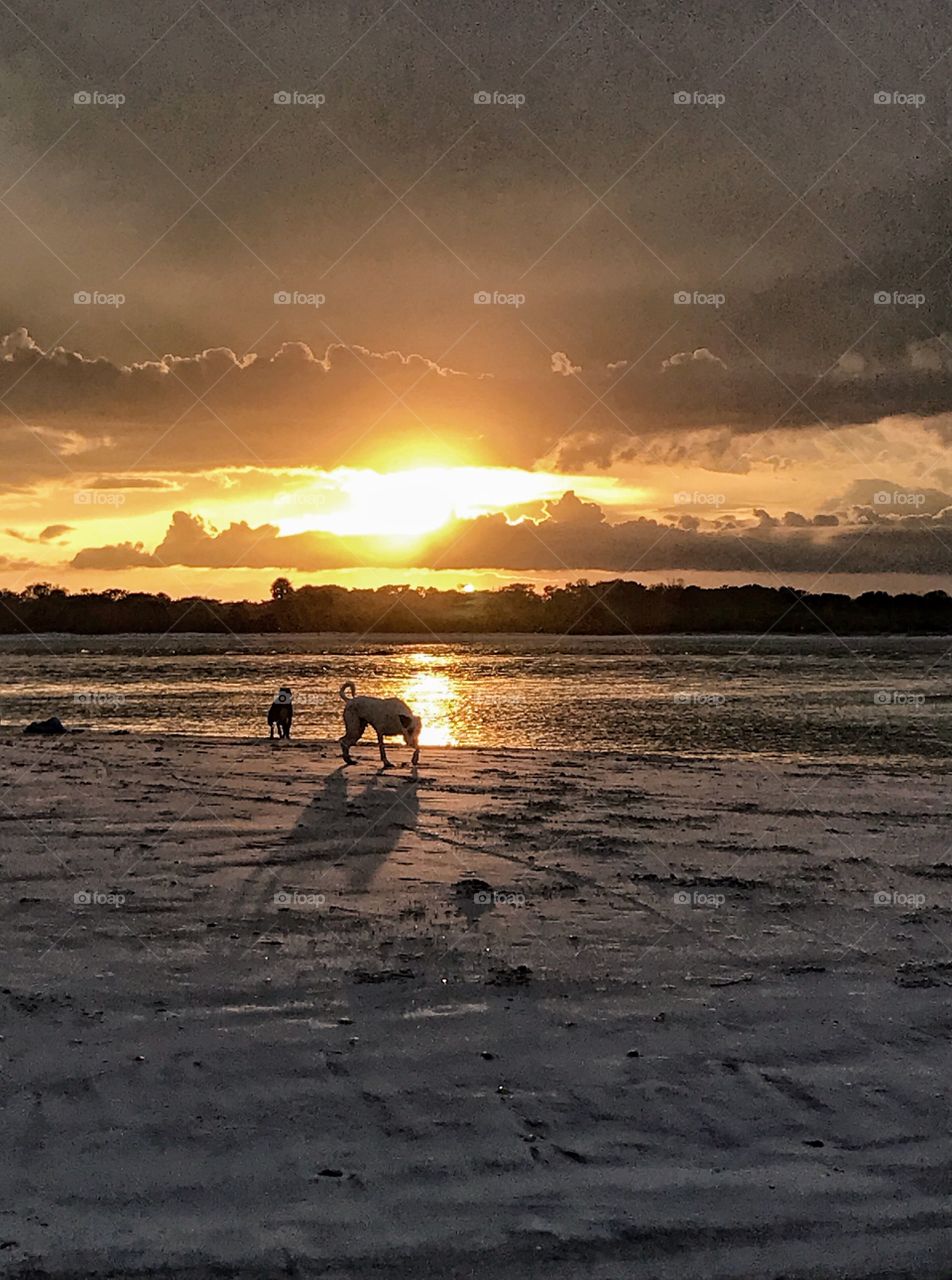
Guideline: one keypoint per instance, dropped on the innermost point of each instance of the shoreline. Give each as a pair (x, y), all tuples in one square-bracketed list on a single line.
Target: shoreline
[(680, 1037), (464, 637), (327, 749)]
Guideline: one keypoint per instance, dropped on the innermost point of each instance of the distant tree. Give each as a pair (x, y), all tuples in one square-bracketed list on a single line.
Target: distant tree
[(614, 607), (281, 588)]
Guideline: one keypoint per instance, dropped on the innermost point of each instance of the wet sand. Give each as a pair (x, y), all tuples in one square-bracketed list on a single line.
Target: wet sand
[(519, 1015)]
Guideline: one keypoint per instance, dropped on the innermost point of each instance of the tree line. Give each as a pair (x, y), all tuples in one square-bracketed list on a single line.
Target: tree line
[(580, 608)]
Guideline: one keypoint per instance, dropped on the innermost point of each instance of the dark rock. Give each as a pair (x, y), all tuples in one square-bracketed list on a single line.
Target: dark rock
[(571, 1155), (505, 976), (383, 975), (53, 725)]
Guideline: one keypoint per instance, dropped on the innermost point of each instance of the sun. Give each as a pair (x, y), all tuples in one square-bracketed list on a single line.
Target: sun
[(400, 504), (413, 502)]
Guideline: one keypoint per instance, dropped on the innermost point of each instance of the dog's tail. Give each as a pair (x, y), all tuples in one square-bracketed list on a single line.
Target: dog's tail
[(348, 684)]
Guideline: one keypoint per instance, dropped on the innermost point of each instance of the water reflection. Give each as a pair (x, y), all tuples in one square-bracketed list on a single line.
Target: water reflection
[(434, 694)]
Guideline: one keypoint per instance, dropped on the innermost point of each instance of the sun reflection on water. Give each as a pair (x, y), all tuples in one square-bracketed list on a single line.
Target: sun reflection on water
[(435, 696)]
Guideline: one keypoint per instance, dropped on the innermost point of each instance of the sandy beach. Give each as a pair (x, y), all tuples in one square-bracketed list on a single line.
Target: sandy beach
[(521, 1014)]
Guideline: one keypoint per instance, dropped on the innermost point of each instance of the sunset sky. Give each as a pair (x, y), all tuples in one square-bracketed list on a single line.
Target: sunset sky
[(453, 293)]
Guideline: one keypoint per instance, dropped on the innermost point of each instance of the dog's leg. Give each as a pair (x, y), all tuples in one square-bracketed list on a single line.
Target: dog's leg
[(383, 751), (353, 731)]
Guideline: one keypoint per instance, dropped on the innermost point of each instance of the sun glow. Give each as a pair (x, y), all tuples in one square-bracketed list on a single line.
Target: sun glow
[(433, 694), (422, 499)]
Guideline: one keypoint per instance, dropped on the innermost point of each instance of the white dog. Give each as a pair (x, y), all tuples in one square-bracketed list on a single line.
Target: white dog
[(389, 717)]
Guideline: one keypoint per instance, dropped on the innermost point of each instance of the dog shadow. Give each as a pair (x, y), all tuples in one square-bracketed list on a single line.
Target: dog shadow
[(338, 844), (358, 826)]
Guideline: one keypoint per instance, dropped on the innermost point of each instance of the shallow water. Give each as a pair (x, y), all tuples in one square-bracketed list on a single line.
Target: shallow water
[(729, 696)]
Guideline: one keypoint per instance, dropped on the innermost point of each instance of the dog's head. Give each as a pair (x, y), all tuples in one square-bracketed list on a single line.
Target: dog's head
[(412, 727)]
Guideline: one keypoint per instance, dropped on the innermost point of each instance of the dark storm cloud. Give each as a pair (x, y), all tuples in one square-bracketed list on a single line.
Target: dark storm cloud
[(218, 407), (796, 198), (68, 411), (891, 498)]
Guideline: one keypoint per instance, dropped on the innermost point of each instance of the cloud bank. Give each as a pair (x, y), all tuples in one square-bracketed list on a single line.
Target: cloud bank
[(572, 534)]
